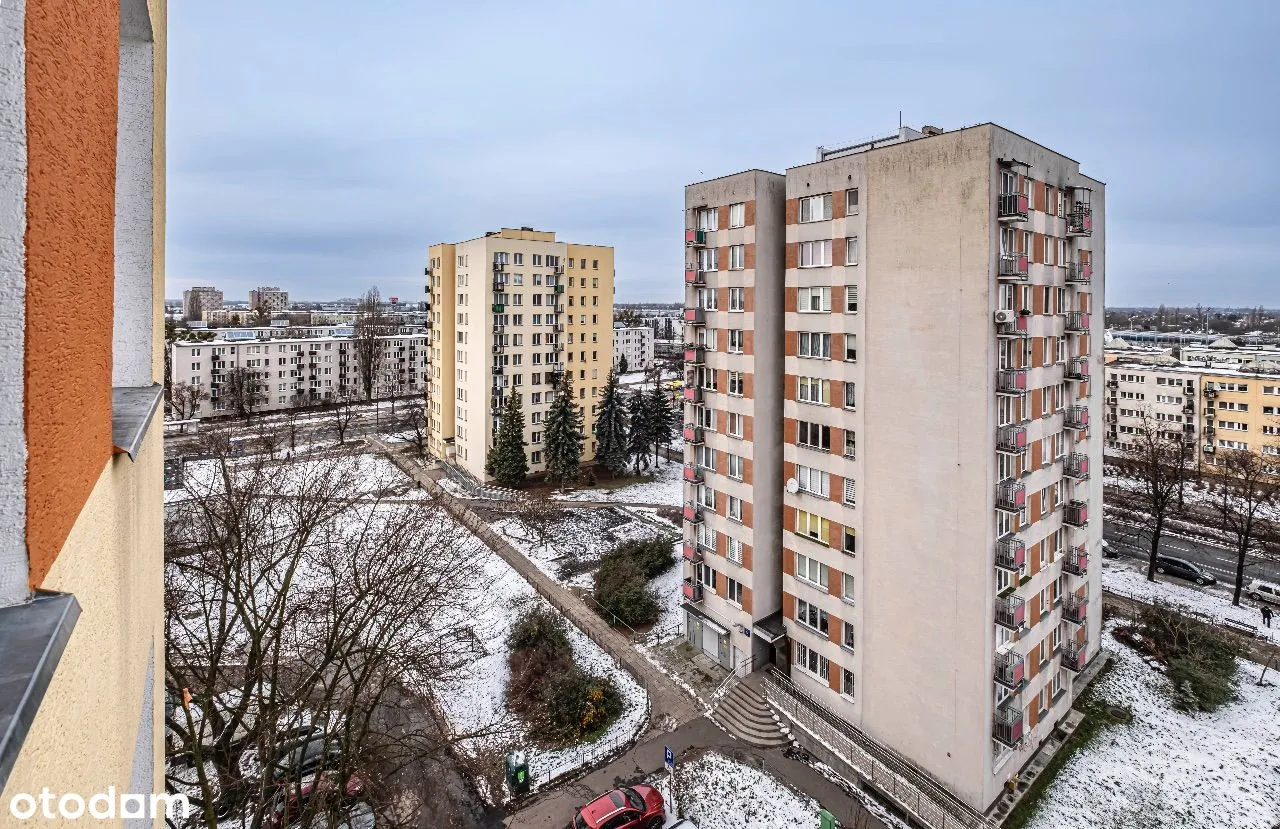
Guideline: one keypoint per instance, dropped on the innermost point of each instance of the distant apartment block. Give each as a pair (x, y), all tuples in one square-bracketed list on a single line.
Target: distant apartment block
[(268, 300), (199, 301), (635, 345), (904, 332), (509, 312)]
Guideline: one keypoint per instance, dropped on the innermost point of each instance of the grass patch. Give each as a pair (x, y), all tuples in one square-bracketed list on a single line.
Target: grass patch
[(1099, 715)]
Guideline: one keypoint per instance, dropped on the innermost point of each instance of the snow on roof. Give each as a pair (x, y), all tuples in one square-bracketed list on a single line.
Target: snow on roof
[(1262, 367), (1223, 342), (1118, 342)]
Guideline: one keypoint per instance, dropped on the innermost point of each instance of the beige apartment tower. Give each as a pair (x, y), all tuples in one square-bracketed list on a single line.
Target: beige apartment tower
[(508, 313), (940, 477)]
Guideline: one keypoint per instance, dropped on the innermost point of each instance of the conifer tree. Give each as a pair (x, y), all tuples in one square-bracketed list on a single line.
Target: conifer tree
[(564, 436), (611, 428), (507, 461), (638, 437), (660, 418)]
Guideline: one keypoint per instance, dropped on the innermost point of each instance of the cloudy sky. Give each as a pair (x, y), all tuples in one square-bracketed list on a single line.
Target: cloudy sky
[(322, 146)]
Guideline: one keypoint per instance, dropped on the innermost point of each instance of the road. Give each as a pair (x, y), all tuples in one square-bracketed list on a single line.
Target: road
[(1133, 542)]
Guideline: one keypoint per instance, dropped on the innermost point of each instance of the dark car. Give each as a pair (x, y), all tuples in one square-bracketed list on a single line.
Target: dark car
[(1183, 569), (633, 807), (305, 756), (1109, 551)]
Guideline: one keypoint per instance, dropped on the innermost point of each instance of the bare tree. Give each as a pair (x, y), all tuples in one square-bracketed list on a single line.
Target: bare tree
[(343, 410), (243, 391), (540, 514), (1245, 503), (303, 610), (415, 421), (1156, 459), (372, 326), (185, 399), (292, 415)]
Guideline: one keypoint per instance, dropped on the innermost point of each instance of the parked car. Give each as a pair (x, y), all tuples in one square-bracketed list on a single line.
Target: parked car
[(1108, 551), (1183, 569), (1263, 591), (303, 756), (289, 801), (633, 807)]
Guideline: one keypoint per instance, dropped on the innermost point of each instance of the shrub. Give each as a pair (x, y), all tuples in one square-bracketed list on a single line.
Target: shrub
[(1201, 660), (622, 589), (577, 704), (652, 555)]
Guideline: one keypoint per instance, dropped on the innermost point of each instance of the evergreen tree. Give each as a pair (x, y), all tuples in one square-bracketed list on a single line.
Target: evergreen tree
[(564, 435), (507, 461), (660, 418), (611, 428), (638, 438), (622, 364)]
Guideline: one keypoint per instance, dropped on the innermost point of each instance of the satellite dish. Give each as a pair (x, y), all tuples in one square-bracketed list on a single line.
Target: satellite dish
[(793, 486)]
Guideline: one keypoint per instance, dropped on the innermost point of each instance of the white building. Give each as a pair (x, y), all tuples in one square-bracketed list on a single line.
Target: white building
[(298, 371), (268, 299), (635, 344)]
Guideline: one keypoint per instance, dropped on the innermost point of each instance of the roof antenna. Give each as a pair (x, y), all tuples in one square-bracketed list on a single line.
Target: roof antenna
[(899, 120)]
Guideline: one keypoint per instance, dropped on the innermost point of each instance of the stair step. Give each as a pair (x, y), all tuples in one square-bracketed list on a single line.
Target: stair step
[(745, 714), (762, 718)]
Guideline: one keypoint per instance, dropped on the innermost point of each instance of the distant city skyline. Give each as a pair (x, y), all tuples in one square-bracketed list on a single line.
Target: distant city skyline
[(323, 150)]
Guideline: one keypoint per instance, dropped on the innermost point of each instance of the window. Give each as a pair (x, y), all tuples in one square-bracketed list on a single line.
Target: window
[(816, 254), (735, 467), (850, 541), (733, 591), (735, 383), (813, 617), (846, 682), (814, 527), (846, 587), (707, 259), (813, 435), (851, 250), (734, 551), (847, 637), (737, 257), (850, 444), (706, 219), (814, 390), (850, 395), (707, 576), (735, 341), (813, 481), (734, 508), (851, 299), (815, 345), (737, 299), (851, 347), (851, 201), (815, 208), (850, 492), (813, 300), (735, 425), (811, 661), (738, 214)]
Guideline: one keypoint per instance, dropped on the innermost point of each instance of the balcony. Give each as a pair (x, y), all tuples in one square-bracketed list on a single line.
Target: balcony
[(1011, 612), (1076, 466), (695, 316), (1007, 727), (1078, 322), (1080, 220), (1189, 429), (1079, 273), (1078, 369), (692, 591), (1010, 670), (499, 286), (695, 355), (1188, 409), (1016, 328), (1077, 417), (692, 434), (559, 289), (1076, 561), (1076, 513), (1011, 554), (1012, 207), (693, 276), (695, 238), (1075, 608), (499, 267), (1075, 656), (1011, 381), (692, 394), (1011, 497), (693, 513), (499, 370), (1210, 392), (553, 378), (1013, 266), (692, 474), (692, 552), (1012, 440)]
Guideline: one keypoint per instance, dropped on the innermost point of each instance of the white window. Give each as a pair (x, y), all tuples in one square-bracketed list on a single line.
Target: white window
[(738, 214), (735, 383), (813, 481), (733, 591), (851, 299), (735, 425), (813, 300), (850, 397), (812, 570), (813, 390), (815, 254), (706, 218), (851, 347), (734, 508), (850, 444), (813, 617), (850, 492), (737, 299), (846, 587), (815, 208), (813, 436), (813, 662), (851, 201), (851, 250), (735, 340), (735, 467), (814, 344), (707, 259), (734, 552)]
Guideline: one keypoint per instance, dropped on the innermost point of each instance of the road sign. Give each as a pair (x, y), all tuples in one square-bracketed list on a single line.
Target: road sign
[(669, 758)]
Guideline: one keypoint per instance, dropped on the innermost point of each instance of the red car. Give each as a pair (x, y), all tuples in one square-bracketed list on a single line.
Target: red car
[(634, 807), (290, 801)]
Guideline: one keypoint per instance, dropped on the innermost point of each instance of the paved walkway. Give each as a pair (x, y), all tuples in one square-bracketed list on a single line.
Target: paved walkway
[(669, 704)]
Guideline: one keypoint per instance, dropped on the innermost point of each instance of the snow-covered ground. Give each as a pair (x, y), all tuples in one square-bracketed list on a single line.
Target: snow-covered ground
[(577, 541), (1127, 581), (661, 487), (377, 475), (715, 792), (1201, 771)]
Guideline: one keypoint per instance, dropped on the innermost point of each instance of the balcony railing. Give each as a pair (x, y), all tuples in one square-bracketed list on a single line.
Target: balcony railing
[(1012, 207), (1076, 466), (1075, 656), (1011, 497), (1010, 670), (1007, 727), (1078, 368), (692, 591), (1011, 554), (1075, 608), (1189, 409), (1076, 561), (692, 552), (1077, 417), (1080, 220), (693, 513), (692, 434), (1013, 266), (1078, 321), (1011, 612), (1076, 513), (1017, 328), (1079, 273), (693, 394), (695, 355), (693, 276), (695, 238), (692, 474), (499, 308), (695, 316), (1012, 439), (1012, 381)]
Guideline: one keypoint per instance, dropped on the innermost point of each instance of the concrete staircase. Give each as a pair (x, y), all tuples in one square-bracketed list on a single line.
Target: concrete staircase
[(744, 714)]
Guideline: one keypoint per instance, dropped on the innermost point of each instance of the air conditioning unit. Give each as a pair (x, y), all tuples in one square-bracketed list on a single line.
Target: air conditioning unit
[(1208, 448), (1005, 315)]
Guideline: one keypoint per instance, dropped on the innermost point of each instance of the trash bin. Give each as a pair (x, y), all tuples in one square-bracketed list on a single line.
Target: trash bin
[(518, 772), (826, 820)]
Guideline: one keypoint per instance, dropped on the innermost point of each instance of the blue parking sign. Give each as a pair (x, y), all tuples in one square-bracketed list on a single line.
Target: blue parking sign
[(669, 757)]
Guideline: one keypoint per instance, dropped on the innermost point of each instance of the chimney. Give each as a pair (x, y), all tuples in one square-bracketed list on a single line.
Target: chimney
[(929, 129)]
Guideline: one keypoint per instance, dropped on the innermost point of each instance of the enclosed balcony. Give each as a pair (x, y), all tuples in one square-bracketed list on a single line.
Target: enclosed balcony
[(1013, 266), (1011, 496), (1079, 273), (1078, 322), (1076, 561), (1011, 381), (1012, 207), (1077, 417), (1011, 324), (692, 394), (499, 267), (559, 289), (1075, 608), (695, 316), (692, 474), (695, 355), (693, 513), (693, 276), (499, 308), (499, 286), (692, 591), (1078, 368), (1080, 220), (1076, 466), (1010, 670), (1075, 656), (1076, 513), (1210, 392), (692, 552), (1007, 728), (1011, 612), (695, 238), (692, 434), (1011, 554), (1012, 440), (1189, 409)]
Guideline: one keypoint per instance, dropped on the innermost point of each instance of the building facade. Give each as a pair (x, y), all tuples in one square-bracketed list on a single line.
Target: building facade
[(635, 345), (199, 301), (268, 299), (939, 521), (510, 312), (82, 101), (294, 372)]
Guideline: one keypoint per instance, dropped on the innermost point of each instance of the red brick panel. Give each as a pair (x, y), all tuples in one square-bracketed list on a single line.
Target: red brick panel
[(793, 255), (792, 212), (1037, 247), (788, 606), (749, 341), (748, 433), (789, 387), (837, 204), (746, 598), (749, 257), (747, 472), (790, 347), (750, 211), (723, 220)]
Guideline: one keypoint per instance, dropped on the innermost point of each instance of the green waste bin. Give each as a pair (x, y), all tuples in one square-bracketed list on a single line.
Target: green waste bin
[(826, 820), (518, 772)]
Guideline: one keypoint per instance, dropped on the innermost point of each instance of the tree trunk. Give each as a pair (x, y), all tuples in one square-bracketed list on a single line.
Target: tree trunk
[(1155, 550), (1241, 550)]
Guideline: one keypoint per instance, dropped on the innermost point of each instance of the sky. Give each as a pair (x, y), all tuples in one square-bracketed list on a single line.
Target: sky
[(323, 146)]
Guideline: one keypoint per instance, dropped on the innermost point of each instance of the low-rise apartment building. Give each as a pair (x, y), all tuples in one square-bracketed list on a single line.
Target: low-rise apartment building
[(635, 346)]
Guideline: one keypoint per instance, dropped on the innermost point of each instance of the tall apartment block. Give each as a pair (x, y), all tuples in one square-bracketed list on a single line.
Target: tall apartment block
[(82, 149), (509, 312), (930, 575), (268, 299), (199, 301)]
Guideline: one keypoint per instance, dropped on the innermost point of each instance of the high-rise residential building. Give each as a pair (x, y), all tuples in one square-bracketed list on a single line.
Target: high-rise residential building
[(634, 345), (509, 312), (82, 150), (268, 299), (941, 515), (199, 301)]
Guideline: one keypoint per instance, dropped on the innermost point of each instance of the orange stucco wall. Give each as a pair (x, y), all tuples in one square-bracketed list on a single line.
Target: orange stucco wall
[(72, 64)]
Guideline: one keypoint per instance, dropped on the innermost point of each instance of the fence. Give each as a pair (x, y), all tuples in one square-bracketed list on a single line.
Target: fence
[(895, 777), (589, 757)]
